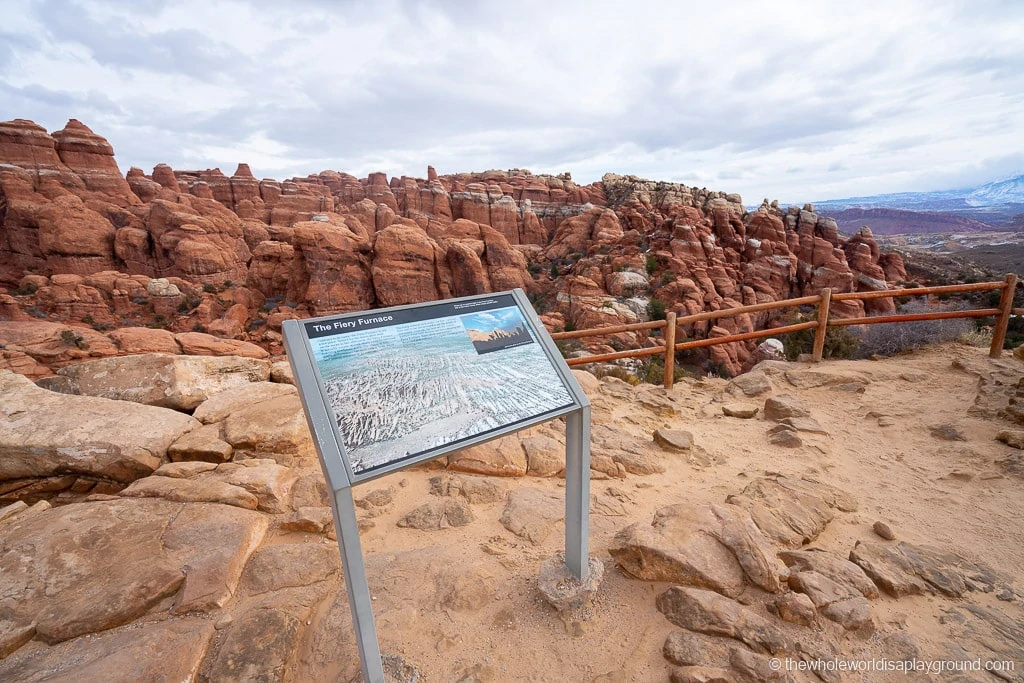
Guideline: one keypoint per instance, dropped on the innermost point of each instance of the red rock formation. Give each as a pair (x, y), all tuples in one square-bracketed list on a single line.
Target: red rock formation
[(332, 242)]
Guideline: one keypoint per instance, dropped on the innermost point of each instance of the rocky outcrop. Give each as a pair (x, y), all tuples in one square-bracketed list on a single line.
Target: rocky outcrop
[(43, 433), (238, 249)]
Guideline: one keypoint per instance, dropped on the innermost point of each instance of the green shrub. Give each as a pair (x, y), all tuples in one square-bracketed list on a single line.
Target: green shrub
[(653, 371), (656, 309), (651, 264), (27, 289), (554, 271), (840, 342)]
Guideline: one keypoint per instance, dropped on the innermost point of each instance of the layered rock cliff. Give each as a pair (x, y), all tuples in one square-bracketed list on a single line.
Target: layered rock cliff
[(197, 250)]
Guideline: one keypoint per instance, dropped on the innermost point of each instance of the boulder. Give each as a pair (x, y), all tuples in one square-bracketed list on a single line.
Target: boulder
[(42, 433), (275, 429), (708, 612), (709, 546), (673, 439)]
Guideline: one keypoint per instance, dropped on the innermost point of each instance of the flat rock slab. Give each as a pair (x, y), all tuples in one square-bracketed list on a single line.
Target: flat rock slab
[(903, 569), (810, 379), (780, 407), (533, 513), (708, 546), (170, 650), (191, 491), (502, 457), (43, 432), (262, 640), (708, 612), (741, 410), (438, 514), (476, 490), (222, 404), (290, 565), (792, 512), (88, 567), (178, 382)]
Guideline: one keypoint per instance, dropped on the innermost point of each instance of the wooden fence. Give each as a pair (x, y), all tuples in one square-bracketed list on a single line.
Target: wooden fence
[(823, 302)]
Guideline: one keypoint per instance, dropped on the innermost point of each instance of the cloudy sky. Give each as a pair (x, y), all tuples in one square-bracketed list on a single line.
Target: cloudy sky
[(791, 100)]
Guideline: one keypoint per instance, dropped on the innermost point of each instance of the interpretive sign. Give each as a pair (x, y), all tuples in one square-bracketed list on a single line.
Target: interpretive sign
[(386, 389), (411, 383)]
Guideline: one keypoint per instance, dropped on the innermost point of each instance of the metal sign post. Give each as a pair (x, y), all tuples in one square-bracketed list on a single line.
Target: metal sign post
[(419, 353)]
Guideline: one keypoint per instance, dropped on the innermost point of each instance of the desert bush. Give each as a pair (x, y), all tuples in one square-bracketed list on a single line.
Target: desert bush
[(840, 342), (26, 289), (651, 264), (653, 371), (656, 309), (887, 339), (981, 338)]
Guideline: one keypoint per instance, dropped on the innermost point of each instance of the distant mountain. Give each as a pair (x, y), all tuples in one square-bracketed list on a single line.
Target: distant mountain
[(994, 204), (900, 222), (1009, 191)]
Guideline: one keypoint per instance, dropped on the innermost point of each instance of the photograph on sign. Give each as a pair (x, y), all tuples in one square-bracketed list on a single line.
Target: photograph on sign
[(405, 382)]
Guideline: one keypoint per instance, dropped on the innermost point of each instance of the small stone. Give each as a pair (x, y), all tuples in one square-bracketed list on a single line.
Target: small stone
[(223, 622), (1012, 437), (804, 424), (311, 519), (1006, 595), (438, 514), (780, 407), (377, 498), (786, 438), (740, 410), (886, 421), (673, 439), (947, 432), (883, 530)]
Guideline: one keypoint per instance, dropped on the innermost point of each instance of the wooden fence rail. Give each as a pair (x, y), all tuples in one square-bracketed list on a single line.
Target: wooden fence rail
[(823, 302)]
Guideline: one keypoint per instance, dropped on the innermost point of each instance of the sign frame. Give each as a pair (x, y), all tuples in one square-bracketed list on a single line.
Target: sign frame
[(341, 478)]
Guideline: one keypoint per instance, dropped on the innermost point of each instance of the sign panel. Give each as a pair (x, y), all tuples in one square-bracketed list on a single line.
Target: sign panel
[(411, 383)]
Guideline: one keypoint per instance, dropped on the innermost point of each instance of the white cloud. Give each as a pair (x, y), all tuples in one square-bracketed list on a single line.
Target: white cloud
[(794, 100)]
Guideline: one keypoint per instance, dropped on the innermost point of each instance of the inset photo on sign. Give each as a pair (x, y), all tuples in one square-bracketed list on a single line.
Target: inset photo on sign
[(417, 379), (497, 330)]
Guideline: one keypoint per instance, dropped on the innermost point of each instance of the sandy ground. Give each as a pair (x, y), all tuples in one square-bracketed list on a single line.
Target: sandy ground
[(900, 474)]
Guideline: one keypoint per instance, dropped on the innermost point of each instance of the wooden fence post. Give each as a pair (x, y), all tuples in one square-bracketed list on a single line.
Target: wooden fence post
[(819, 334), (1005, 307), (670, 349)]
